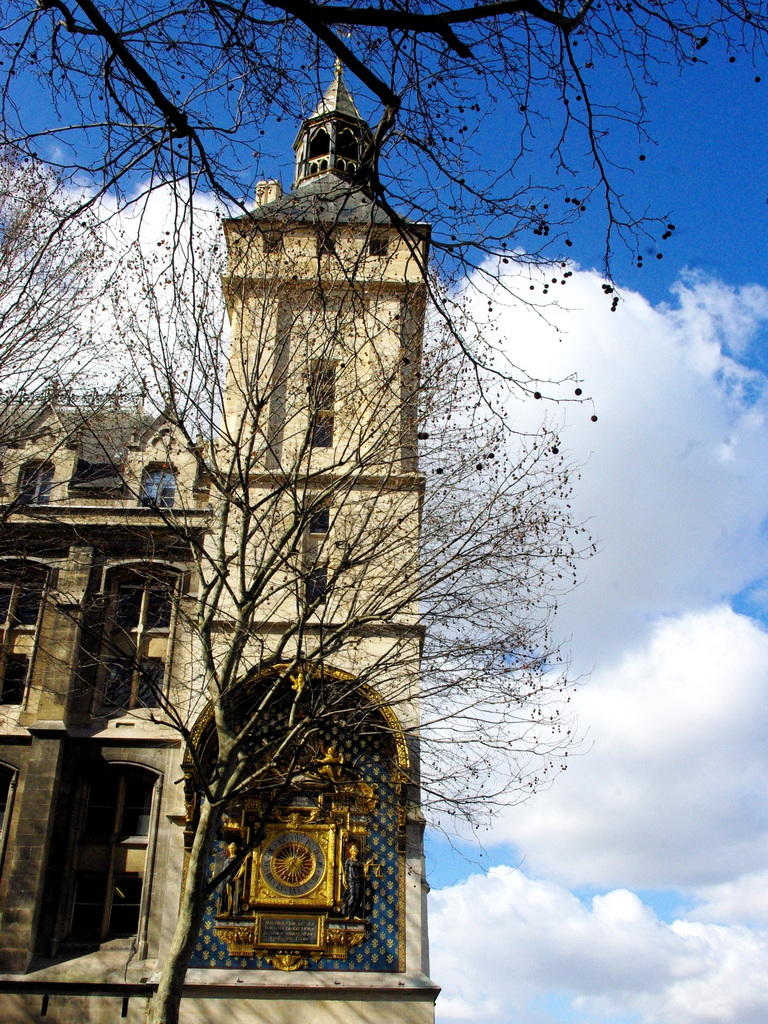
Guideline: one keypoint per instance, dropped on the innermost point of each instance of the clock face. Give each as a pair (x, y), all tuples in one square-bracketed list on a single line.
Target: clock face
[(293, 864)]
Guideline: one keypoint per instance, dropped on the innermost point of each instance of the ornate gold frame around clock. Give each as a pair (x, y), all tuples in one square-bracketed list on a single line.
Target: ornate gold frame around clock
[(205, 720), (282, 903)]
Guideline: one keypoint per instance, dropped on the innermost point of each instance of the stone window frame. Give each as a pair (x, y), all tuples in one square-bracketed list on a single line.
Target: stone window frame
[(322, 395), (35, 482), (110, 853), (161, 492), (315, 566), (19, 629), (378, 244), (142, 640)]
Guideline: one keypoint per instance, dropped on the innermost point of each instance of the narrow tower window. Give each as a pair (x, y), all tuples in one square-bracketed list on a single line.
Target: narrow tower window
[(378, 243), (316, 569), (322, 402)]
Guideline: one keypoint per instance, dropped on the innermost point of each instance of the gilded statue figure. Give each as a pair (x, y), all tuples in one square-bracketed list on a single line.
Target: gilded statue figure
[(353, 903), (331, 764), (233, 887)]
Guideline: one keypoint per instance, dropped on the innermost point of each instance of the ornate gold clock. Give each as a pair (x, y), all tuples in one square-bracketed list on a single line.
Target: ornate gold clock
[(293, 866), (303, 891)]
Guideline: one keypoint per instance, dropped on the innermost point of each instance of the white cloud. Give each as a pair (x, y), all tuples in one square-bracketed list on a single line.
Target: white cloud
[(739, 900), (672, 786), (504, 940), (674, 472)]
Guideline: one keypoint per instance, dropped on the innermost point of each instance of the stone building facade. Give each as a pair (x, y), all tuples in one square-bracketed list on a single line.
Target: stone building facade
[(324, 918)]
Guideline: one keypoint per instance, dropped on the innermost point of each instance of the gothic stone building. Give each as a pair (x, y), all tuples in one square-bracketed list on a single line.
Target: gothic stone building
[(324, 919)]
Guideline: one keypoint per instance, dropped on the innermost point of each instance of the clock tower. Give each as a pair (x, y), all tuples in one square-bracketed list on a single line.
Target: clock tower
[(322, 918)]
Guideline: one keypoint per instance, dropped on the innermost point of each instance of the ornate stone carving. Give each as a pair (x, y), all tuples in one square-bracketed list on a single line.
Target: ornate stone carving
[(340, 939), (287, 960), (239, 938)]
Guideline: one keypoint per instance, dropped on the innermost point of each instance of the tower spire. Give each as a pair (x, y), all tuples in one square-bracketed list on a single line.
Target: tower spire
[(331, 140)]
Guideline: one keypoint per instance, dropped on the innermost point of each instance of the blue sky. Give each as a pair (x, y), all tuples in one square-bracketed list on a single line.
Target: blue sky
[(709, 172)]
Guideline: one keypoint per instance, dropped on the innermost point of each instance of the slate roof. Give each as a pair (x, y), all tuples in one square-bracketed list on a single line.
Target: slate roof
[(100, 438), (104, 435), (326, 200)]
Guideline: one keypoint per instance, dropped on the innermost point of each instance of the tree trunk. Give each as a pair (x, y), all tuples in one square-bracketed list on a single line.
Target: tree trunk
[(164, 1008)]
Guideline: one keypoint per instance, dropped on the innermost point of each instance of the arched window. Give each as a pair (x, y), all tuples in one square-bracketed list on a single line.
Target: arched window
[(35, 481), (111, 855), (21, 594), (346, 143), (319, 144), (136, 640), (158, 487)]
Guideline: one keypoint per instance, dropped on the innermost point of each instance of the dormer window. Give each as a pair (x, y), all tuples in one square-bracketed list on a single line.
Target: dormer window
[(35, 482), (158, 488)]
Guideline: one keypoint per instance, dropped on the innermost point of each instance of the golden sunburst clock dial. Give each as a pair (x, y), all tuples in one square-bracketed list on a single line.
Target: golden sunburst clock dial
[(292, 864)]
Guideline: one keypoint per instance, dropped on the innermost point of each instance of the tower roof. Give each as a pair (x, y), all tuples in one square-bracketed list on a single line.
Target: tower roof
[(327, 199), (331, 141), (337, 98), (327, 189)]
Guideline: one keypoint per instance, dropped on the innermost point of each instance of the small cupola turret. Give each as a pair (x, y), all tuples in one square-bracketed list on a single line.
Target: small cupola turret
[(332, 139)]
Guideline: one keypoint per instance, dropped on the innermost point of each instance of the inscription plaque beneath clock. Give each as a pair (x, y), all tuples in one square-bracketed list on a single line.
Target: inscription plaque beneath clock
[(289, 931)]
